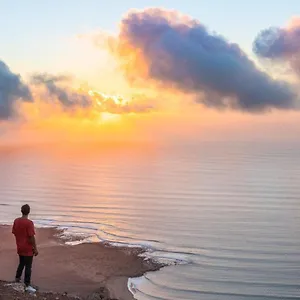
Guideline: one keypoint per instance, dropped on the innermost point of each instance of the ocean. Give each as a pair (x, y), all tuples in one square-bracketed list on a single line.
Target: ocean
[(224, 215)]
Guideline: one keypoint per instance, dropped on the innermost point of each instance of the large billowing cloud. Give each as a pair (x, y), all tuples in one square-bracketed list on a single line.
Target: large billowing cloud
[(175, 51), (12, 89), (281, 44)]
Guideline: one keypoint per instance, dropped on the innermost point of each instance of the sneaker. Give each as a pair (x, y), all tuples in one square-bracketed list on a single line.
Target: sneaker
[(30, 289)]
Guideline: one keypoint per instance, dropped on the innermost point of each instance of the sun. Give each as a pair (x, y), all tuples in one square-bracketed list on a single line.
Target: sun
[(106, 117)]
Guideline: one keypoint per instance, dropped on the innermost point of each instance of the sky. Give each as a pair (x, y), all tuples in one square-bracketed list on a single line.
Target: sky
[(40, 35), (53, 37)]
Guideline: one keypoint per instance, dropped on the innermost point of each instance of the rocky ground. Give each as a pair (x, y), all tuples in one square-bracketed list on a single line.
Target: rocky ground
[(13, 291)]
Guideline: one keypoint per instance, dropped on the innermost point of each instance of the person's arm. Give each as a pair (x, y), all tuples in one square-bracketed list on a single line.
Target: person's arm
[(13, 229), (33, 243), (31, 235)]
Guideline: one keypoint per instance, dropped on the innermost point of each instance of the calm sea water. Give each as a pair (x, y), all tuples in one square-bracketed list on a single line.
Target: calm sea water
[(227, 213)]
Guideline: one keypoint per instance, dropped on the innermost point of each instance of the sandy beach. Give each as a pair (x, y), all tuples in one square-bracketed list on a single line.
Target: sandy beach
[(77, 270)]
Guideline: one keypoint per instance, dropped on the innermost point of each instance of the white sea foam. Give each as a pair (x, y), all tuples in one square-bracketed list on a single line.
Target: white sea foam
[(133, 283)]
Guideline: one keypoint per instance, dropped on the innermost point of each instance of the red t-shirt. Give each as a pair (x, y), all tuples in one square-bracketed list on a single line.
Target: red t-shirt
[(23, 229)]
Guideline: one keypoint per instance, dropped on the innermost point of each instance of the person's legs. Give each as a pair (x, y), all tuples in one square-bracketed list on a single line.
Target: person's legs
[(28, 265), (20, 267)]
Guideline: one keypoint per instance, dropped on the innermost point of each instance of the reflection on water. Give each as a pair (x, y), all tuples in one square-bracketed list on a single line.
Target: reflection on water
[(227, 213)]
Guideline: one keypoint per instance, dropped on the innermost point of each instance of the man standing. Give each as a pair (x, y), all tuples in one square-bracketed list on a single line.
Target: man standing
[(23, 229)]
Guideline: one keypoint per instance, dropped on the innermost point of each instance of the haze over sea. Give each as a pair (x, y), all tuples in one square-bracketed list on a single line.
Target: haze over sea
[(225, 215)]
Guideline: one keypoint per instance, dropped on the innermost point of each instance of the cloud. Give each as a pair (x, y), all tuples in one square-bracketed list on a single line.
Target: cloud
[(12, 89), (65, 96), (119, 105), (176, 51), (72, 99), (280, 44)]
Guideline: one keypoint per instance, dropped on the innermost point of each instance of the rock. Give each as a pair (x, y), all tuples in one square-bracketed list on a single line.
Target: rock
[(19, 287), (95, 296), (100, 294)]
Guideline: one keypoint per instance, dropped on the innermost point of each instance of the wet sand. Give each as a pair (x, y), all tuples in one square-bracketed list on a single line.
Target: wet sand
[(78, 270)]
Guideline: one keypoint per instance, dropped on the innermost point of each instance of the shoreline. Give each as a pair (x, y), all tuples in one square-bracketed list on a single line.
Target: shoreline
[(77, 270)]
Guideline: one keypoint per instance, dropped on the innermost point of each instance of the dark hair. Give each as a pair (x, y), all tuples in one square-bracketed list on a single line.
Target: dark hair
[(25, 210)]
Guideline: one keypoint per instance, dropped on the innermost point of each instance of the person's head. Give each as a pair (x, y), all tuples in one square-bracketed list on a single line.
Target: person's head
[(25, 210)]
